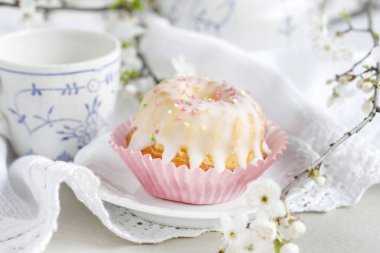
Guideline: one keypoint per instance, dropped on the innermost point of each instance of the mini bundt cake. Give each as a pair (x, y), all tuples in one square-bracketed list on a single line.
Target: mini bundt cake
[(199, 123)]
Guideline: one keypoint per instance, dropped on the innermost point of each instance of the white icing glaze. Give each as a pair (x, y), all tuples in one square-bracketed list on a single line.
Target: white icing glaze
[(201, 115)]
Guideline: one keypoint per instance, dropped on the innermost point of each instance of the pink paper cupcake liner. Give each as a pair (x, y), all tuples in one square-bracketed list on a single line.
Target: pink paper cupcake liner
[(166, 181)]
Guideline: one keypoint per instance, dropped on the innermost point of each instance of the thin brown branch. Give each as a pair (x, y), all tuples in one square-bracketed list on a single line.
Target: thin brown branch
[(313, 170), (146, 66), (316, 165), (356, 64), (62, 7)]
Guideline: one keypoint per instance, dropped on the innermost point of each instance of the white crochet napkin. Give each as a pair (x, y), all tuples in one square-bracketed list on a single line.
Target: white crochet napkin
[(29, 203)]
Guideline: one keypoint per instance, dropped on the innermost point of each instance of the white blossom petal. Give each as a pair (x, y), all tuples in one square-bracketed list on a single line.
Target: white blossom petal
[(28, 6), (245, 244), (293, 231), (290, 248), (321, 180), (265, 195), (342, 53), (123, 26), (264, 231), (367, 106), (232, 227), (182, 67), (131, 61), (277, 209), (365, 86)]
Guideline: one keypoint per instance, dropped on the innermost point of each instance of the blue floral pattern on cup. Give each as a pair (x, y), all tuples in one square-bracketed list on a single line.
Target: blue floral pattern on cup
[(203, 17), (81, 131)]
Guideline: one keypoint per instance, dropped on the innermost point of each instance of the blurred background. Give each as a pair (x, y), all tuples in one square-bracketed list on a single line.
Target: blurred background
[(281, 33)]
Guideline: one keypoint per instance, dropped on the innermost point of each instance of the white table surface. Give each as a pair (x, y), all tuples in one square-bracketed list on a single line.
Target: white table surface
[(346, 230)]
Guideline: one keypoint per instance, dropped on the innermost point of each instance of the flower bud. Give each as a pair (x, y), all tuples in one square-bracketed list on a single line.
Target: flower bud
[(290, 248)]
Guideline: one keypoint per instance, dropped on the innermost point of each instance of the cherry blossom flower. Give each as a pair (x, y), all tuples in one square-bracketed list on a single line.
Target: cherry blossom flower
[(326, 46), (318, 27), (124, 26), (28, 7), (321, 180), (130, 59), (272, 229), (293, 230), (232, 227), (264, 231), (344, 79), (264, 195), (367, 105), (365, 86), (290, 248), (245, 244), (342, 53)]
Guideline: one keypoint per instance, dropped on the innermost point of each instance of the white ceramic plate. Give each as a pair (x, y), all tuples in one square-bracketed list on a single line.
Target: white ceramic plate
[(120, 187)]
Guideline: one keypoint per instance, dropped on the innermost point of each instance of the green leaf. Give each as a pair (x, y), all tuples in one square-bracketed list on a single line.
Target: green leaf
[(118, 4), (376, 36), (330, 81), (128, 75), (134, 5), (344, 15), (277, 245), (125, 44)]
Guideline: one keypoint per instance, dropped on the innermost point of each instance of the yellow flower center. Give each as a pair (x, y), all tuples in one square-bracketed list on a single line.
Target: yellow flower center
[(250, 247), (264, 199)]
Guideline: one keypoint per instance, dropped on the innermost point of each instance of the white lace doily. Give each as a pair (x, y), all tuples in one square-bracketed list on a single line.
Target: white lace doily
[(30, 199), (30, 220)]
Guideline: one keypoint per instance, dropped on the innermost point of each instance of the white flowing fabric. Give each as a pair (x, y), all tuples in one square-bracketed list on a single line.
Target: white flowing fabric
[(29, 190), (351, 169)]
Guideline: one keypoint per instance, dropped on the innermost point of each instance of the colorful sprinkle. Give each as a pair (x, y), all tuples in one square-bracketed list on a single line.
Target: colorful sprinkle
[(157, 103), (145, 105), (157, 131), (217, 94), (234, 101), (187, 124), (152, 138), (170, 111), (194, 111), (176, 105), (184, 109)]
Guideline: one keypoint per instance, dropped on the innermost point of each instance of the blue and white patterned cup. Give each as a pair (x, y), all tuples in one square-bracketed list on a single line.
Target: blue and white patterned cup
[(57, 89)]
